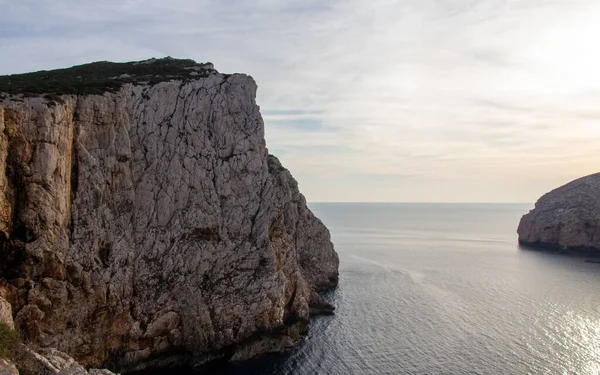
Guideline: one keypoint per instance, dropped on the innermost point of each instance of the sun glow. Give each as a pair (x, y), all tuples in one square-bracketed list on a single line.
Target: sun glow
[(568, 53)]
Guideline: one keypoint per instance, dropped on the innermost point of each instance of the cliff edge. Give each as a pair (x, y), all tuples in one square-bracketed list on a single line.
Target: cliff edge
[(143, 222), (567, 218)]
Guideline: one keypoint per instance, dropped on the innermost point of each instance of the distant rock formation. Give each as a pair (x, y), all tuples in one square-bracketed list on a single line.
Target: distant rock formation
[(567, 218), (143, 222)]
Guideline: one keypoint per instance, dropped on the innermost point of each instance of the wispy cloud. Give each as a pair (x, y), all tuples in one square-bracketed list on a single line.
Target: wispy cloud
[(457, 100)]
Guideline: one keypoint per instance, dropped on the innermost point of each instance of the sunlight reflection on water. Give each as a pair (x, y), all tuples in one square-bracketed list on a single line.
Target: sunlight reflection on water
[(413, 299)]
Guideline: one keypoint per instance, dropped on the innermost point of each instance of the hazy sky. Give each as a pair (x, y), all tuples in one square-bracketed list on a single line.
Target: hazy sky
[(410, 100)]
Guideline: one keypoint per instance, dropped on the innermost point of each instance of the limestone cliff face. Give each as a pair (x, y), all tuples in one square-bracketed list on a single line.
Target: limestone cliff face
[(150, 226), (567, 218)]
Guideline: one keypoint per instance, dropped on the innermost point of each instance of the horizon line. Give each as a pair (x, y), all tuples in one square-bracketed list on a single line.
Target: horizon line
[(420, 202)]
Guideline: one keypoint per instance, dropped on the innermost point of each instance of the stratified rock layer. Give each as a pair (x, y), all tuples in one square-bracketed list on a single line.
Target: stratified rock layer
[(566, 218), (150, 226)]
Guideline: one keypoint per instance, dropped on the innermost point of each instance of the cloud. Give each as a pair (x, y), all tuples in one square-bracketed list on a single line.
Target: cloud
[(490, 100)]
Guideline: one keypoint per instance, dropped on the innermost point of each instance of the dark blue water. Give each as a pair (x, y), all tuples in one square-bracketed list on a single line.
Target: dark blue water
[(445, 289)]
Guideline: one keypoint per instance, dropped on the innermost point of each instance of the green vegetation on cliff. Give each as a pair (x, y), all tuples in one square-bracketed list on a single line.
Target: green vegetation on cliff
[(102, 76), (8, 341)]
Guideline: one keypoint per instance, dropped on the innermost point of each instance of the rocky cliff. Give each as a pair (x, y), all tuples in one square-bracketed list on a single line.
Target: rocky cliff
[(148, 225), (567, 218)]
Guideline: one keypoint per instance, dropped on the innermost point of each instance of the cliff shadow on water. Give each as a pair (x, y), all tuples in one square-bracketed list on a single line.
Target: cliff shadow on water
[(584, 254)]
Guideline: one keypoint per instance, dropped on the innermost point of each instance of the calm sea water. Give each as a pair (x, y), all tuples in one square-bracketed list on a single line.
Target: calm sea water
[(445, 289)]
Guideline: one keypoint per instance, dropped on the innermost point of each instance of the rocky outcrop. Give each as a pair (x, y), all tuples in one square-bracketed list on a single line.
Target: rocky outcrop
[(6, 314), (51, 362), (149, 225), (567, 218), (25, 361)]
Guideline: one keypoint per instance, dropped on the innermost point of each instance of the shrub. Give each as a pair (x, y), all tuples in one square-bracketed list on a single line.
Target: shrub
[(8, 341), (99, 77)]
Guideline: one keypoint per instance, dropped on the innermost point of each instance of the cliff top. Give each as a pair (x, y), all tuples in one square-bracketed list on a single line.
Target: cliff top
[(102, 76)]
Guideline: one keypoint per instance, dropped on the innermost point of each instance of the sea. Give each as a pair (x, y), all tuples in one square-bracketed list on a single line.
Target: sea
[(445, 289)]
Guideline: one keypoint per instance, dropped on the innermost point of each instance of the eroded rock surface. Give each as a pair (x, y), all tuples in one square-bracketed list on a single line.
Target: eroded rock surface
[(8, 368), (51, 362), (6, 314), (566, 218), (150, 226)]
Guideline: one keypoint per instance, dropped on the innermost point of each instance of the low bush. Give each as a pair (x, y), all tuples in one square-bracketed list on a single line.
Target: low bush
[(9, 341), (98, 77)]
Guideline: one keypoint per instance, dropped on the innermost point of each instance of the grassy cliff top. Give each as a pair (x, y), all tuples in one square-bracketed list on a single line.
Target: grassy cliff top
[(102, 76)]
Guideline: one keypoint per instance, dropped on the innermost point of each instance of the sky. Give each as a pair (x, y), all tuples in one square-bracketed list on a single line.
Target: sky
[(381, 100)]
